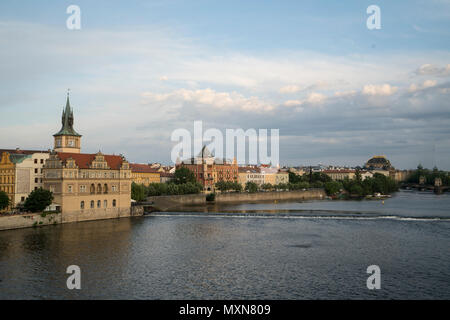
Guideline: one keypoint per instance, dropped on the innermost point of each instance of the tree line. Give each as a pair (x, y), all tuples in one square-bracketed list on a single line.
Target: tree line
[(429, 175)]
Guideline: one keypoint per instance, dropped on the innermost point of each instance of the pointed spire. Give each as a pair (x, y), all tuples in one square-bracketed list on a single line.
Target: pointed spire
[(67, 120)]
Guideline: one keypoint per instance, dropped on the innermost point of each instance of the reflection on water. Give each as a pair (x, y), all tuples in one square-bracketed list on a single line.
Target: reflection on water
[(222, 257)]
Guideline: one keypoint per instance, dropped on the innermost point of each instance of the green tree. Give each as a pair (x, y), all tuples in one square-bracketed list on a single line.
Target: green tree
[(138, 192), (222, 185), (38, 200), (294, 178), (251, 187), (267, 186), (4, 200), (236, 186), (332, 187), (183, 175)]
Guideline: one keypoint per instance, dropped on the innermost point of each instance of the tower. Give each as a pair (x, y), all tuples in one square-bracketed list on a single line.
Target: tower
[(67, 139)]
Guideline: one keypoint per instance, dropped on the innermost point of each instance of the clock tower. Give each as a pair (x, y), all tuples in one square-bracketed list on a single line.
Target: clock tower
[(67, 139)]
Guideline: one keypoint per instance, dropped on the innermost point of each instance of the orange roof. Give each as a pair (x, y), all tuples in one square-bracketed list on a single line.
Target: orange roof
[(83, 160), (142, 168)]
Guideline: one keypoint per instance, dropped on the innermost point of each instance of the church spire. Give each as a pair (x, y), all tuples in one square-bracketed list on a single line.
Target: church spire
[(67, 121)]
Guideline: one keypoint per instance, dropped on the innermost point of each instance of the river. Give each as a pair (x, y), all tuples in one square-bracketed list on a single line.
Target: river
[(289, 250)]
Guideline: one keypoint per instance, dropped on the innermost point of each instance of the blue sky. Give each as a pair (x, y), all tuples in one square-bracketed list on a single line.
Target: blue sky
[(338, 92)]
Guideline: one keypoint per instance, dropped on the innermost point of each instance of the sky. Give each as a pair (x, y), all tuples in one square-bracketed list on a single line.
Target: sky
[(338, 92)]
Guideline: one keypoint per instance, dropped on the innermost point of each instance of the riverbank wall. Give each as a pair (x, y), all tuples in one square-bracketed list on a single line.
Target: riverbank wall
[(167, 203), (28, 220)]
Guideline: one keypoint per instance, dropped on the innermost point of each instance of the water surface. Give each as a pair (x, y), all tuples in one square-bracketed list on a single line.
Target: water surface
[(311, 250)]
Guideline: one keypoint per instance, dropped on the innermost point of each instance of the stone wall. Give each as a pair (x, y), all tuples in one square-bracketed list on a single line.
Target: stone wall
[(166, 203), (38, 219), (163, 203), (270, 196), (28, 220), (95, 214)]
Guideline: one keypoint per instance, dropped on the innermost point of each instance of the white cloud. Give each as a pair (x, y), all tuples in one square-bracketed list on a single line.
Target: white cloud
[(379, 90), (430, 69), (290, 89), (291, 103), (345, 93), (315, 98), (426, 84), (209, 97)]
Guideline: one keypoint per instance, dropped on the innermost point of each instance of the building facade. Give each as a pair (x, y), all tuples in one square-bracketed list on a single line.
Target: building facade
[(340, 174), (21, 171), (85, 186), (88, 184), (208, 170), (250, 174), (144, 174)]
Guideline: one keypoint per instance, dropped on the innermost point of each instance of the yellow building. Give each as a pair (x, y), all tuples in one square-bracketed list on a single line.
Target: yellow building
[(85, 186), (144, 174), (282, 177), (250, 174), (7, 177), (340, 174), (21, 173)]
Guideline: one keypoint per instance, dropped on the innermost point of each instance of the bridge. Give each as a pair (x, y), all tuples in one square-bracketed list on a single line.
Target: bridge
[(438, 189)]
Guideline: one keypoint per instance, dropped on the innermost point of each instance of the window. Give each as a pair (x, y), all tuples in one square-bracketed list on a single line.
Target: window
[(42, 161), (105, 203), (69, 188), (105, 188), (36, 170), (92, 204), (114, 202), (99, 203), (92, 188), (22, 199), (99, 188), (36, 180), (82, 204), (83, 188), (35, 160), (114, 188)]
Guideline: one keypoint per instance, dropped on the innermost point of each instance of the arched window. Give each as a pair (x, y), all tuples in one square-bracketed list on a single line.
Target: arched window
[(99, 203), (105, 188), (114, 202), (92, 188), (92, 204), (82, 204), (99, 188)]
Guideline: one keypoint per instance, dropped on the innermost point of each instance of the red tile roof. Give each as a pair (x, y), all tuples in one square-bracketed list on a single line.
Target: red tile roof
[(142, 168), (83, 160)]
